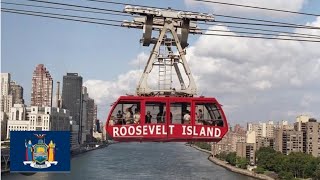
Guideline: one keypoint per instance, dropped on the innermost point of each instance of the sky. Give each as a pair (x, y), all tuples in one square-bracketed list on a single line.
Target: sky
[(254, 79)]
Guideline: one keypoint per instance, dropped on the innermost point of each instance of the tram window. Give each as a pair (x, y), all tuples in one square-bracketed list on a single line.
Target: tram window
[(126, 113), (208, 114), (180, 113), (155, 112)]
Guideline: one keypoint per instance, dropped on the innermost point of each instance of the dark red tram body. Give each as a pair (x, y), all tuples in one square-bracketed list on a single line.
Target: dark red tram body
[(165, 119)]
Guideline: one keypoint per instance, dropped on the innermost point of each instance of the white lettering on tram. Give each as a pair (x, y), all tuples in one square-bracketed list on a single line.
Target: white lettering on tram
[(115, 132), (217, 132), (202, 132), (151, 129), (189, 129), (171, 129), (210, 132), (195, 131), (138, 130), (131, 130), (124, 130), (158, 131), (145, 130), (183, 130)]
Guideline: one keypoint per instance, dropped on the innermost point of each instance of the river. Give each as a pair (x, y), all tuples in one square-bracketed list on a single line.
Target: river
[(139, 161)]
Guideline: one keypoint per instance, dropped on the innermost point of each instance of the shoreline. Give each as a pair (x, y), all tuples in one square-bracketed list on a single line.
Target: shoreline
[(72, 154), (232, 168), (82, 151)]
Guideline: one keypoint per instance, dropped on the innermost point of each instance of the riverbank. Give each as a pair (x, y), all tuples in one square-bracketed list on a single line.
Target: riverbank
[(84, 150), (73, 153), (232, 168)]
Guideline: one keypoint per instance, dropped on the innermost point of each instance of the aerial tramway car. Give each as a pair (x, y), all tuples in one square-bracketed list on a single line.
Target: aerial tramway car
[(135, 118), (166, 114)]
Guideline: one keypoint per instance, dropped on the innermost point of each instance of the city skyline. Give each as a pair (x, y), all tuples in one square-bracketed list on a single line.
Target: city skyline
[(255, 80)]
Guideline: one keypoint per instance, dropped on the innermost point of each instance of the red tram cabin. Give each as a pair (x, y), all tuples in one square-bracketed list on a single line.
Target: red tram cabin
[(165, 119)]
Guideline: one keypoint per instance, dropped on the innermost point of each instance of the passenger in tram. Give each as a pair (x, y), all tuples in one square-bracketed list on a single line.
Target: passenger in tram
[(120, 119), (200, 116), (219, 122), (186, 118), (112, 121), (128, 116), (136, 116), (160, 115), (148, 117)]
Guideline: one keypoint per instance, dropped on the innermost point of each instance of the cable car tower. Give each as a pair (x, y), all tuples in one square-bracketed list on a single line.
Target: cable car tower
[(174, 28)]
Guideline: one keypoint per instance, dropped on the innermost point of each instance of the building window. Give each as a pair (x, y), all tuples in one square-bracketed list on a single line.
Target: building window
[(39, 121), (17, 115)]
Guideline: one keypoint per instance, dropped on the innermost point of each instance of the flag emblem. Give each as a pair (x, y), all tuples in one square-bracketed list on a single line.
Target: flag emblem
[(43, 151)]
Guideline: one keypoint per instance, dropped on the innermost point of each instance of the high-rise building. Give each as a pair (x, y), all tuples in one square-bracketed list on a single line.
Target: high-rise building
[(312, 139), (239, 129), (6, 102), (72, 98), (90, 118), (36, 118), (264, 142), (229, 141), (246, 150), (58, 96), (42, 87), (259, 128), (251, 137), (98, 126), (287, 141), (6, 97), (292, 141), (311, 134), (95, 117), (74, 135), (5, 83), (84, 118), (299, 125), (17, 93), (269, 129)]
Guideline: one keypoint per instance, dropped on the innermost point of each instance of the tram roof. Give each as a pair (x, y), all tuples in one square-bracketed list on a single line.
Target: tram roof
[(199, 98)]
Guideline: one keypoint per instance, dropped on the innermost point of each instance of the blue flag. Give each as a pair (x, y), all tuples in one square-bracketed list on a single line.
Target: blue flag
[(39, 151)]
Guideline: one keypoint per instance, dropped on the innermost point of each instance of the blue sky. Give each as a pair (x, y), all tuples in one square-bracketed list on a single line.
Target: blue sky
[(104, 53)]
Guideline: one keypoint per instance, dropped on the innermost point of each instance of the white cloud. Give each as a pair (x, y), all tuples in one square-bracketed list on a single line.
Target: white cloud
[(254, 79), (262, 85), (140, 60), (258, 78), (293, 5), (105, 91)]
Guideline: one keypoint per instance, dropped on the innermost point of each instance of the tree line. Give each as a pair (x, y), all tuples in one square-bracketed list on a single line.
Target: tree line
[(294, 165)]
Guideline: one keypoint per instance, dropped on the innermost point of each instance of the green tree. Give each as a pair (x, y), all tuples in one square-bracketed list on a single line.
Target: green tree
[(268, 159), (259, 170), (298, 162), (310, 167), (222, 155), (203, 145), (286, 175), (316, 174), (232, 158), (242, 162)]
